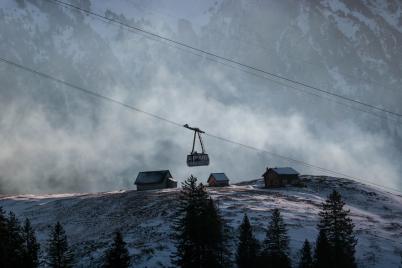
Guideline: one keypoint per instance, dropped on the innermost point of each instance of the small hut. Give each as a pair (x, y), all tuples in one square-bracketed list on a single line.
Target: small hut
[(151, 180), (218, 180), (280, 176)]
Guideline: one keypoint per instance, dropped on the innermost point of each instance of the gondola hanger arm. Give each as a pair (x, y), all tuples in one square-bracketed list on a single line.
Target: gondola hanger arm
[(196, 129)]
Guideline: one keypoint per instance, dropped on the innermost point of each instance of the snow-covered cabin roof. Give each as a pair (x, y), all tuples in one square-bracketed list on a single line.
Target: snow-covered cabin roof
[(150, 177), (218, 177), (283, 171)]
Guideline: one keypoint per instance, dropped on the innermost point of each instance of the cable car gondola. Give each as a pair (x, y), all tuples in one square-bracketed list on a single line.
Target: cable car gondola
[(197, 159)]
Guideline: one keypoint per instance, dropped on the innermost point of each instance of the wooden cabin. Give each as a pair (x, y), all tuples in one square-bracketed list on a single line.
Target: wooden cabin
[(218, 180), (152, 180), (280, 176)]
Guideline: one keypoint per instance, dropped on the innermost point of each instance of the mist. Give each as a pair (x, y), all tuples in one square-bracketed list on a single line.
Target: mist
[(56, 139)]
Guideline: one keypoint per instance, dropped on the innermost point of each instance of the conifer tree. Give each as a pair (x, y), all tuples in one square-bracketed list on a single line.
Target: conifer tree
[(213, 239), (247, 249), (400, 264), (400, 254), (14, 242), (227, 244), (31, 246), (185, 225), (117, 256), (322, 255), (276, 244), (3, 238), (306, 261), (338, 228), (59, 254), (18, 247), (199, 230)]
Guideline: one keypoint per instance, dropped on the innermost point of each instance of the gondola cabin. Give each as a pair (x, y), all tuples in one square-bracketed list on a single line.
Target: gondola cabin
[(197, 159), (218, 180), (152, 180), (280, 176)]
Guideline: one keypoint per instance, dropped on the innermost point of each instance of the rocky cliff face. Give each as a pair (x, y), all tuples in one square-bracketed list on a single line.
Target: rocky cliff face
[(347, 47)]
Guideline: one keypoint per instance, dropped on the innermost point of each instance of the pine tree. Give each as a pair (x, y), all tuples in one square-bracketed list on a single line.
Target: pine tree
[(400, 254), (276, 244), (117, 256), (185, 222), (227, 244), (198, 229), (338, 228), (31, 246), (14, 242), (247, 249), (306, 261), (59, 254), (3, 239), (215, 253), (400, 265), (322, 255), (18, 247)]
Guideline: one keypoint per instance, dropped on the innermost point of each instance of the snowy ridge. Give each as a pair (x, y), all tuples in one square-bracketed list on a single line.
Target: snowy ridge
[(145, 218)]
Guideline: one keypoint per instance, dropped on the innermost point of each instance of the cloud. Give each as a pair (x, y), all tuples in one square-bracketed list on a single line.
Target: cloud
[(54, 139)]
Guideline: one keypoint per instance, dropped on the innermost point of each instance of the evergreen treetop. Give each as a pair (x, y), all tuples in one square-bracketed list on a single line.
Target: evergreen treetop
[(117, 256), (18, 247), (277, 240), (306, 260), (198, 229), (338, 228), (14, 241), (248, 248), (276, 244), (31, 246), (322, 255), (59, 254), (3, 238)]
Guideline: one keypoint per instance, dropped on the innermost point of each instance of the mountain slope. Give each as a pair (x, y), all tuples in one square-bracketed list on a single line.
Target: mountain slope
[(59, 140), (145, 218)]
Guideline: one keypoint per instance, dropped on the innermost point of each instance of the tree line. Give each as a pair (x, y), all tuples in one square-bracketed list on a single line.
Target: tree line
[(334, 246), (19, 247), (202, 239)]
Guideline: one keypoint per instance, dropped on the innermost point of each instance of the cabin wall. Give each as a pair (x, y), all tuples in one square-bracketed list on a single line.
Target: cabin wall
[(290, 179), (222, 183), (153, 186), (166, 183), (171, 184), (272, 179), (212, 182)]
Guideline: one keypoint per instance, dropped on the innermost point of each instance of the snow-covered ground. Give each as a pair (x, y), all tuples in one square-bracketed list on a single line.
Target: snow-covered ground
[(145, 218)]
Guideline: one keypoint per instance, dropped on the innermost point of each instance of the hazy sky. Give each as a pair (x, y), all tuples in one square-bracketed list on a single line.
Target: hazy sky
[(55, 139)]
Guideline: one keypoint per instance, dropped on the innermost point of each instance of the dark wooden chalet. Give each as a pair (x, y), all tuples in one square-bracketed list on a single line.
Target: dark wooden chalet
[(282, 176), (218, 180), (151, 180)]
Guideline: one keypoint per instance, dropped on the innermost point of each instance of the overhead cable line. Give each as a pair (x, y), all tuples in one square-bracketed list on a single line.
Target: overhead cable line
[(250, 72), (229, 60), (177, 124), (256, 45), (303, 163), (87, 91)]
